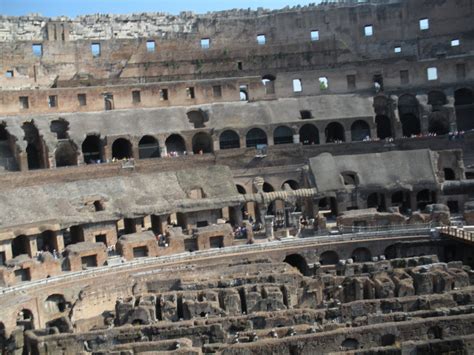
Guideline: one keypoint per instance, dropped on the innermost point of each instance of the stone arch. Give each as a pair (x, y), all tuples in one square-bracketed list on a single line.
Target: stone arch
[(46, 241), (254, 137), (148, 147), (267, 187), (401, 199), (241, 189), (55, 303), (360, 130), (20, 245), (384, 126), (291, 183), (92, 149), (229, 139), (25, 319), (464, 106), (198, 118), (350, 344), (35, 146), (282, 135), (390, 252), (424, 197), (202, 143), (65, 154), (299, 262), (335, 132), (309, 134), (122, 149), (329, 257), (361, 255), (438, 123), (60, 127), (175, 144), (437, 98), (408, 109)]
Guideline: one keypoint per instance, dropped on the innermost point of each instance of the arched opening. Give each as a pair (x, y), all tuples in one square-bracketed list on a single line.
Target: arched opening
[(198, 118), (122, 149), (437, 99), (229, 140), (361, 255), (46, 241), (449, 174), (350, 344), (390, 252), (384, 127), (329, 258), (254, 137), (175, 144), (401, 200), (65, 154), (7, 159), (60, 127), (268, 82), (241, 189), (91, 150), (34, 148), (435, 332), (291, 183), (148, 148), (299, 262), (350, 178), (267, 187), (438, 123), (409, 115), (423, 198), (25, 319), (360, 131), (202, 143), (20, 245), (282, 135), (387, 340), (464, 106), (309, 134), (335, 133), (55, 303)]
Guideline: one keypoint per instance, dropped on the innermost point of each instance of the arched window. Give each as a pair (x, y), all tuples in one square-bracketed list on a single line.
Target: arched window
[(65, 154), (299, 262), (202, 143), (437, 99), (198, 118), (360, 255), (148, 147), (60, 127), (384, 128), (283, 135), (335, 133), (122, 149), (34, 148), (267, 187), (291, 183), (408, 109), (309, 134), (438, 123), (360, 130), (91, 149), (175, 144), (254, 137), (229, 140), (329, 258)]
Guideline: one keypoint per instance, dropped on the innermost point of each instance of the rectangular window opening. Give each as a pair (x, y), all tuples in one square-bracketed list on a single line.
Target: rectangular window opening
[(323, 83), (424, 24), (297, 85), (351, 82), (82, 99), (217, 91), (261, 39), (240, 65), (244, 93), (432, 73), (136, 96), (190, 93), (460, 71), (95, 49), (368, 31), (24, 103), (306, 114), (397, 49), (455, 43), (164, 94), (52, 101), (9, 74), (37, 50), (315, 35), (150, 46), (205, 43)]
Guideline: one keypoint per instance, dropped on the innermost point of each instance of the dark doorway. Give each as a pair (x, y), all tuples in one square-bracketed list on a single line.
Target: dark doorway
[(309, 134), (91, 150), (335, 133), (148, 147)]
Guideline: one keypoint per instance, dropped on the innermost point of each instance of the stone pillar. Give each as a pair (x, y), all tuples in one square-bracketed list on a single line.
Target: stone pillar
[(147, 222), (135, 151), (270, 138), (159, 224), (216, 144), (322, 136), (348, 135), (133, 225), (412, 201), (59, 241), (162, 145), (7, 248), (295, 219), (269, 221), (32, 246), (250, 239), (296, 138), (23, 161)]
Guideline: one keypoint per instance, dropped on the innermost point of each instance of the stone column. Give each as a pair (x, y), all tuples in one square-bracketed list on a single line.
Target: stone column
[(59, 241), (348, 135), (269, 221), (32, 246), (322, 136), (295, 219), (296, 138)]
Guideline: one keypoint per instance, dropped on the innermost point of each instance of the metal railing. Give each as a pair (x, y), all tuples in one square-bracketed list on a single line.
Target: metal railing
[(458, 233), (414, 231)]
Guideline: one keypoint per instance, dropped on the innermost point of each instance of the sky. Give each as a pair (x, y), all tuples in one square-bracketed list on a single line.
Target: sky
[(72, 8)]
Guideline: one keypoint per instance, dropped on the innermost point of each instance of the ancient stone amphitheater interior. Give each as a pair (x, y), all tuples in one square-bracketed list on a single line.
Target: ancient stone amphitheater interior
[(282, 181)]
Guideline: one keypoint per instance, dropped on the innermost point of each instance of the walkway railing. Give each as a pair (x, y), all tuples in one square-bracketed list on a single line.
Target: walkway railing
[(458, 233), (284, 243)]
